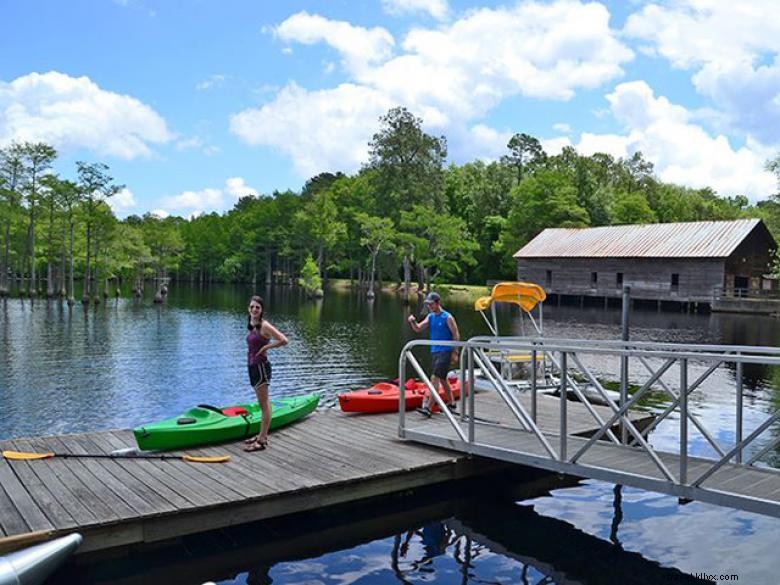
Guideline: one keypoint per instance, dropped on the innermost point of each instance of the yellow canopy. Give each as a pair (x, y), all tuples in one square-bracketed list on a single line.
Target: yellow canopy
[(524, 294)]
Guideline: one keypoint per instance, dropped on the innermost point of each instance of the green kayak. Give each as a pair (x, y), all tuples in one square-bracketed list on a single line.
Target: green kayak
[(204, 424)]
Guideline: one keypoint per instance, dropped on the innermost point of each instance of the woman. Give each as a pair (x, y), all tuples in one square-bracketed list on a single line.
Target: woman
[(261, 338)]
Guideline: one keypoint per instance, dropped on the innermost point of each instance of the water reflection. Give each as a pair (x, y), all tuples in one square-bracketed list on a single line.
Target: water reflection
[(443, 536)]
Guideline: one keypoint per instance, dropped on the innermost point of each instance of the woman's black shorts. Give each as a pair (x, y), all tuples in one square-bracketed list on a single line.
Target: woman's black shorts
[(260, 373)]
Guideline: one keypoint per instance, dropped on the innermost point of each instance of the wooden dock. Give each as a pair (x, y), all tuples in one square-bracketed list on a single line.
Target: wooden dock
[(326, 459)]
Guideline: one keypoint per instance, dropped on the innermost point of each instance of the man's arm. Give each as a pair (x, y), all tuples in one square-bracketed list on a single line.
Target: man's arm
[(455, 335), (453, 328), (418, 326)]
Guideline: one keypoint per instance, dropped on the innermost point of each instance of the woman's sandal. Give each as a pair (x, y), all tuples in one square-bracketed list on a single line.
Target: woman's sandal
[(256, 446)]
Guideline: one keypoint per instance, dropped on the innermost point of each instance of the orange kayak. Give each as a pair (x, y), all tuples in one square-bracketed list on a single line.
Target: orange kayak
[(383, 397)]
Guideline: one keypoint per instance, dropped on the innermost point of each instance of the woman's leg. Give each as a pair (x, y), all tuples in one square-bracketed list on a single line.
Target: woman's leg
[(265, 409)]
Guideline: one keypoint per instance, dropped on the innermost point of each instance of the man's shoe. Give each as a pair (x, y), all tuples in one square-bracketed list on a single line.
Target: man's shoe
[(452, 407), (425, 411)]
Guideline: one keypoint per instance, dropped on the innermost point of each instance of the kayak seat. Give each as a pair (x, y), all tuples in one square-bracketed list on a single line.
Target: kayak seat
[(185, 420), (234, 411), (411, 384)]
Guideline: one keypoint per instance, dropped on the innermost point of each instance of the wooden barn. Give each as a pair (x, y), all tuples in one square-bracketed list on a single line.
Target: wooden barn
[(683, 262)]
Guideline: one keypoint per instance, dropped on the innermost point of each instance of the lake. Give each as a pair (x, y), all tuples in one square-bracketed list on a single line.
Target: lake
[(127, 362)]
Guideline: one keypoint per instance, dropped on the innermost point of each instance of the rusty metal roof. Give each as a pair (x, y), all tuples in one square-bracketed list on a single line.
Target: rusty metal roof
[(696, 239)]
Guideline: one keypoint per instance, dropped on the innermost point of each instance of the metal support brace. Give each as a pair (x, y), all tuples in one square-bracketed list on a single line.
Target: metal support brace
[(676, 400), (517, 409), (741, 445), (435, 395), (619, 415)]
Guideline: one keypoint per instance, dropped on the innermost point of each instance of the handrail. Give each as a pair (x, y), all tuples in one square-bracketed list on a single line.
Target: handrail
[(565, 356)]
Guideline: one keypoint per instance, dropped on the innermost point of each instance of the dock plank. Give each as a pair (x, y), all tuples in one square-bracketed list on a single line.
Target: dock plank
[(151, 474), (57, 513), (23, 503)]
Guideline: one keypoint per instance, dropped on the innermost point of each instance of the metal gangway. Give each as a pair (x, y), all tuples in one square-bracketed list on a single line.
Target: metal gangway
[(723, 468)]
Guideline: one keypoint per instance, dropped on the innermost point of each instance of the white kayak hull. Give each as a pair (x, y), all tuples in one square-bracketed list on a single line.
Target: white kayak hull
[(32, 565)]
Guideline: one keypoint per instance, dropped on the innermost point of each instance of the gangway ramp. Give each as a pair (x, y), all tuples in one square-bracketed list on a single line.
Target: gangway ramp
[(512, 426)]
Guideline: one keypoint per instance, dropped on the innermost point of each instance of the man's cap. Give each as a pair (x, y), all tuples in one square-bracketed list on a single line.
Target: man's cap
[(432, 297)]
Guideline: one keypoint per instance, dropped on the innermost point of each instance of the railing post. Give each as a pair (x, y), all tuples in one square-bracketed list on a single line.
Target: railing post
[(683, 421), (564, 401), (624, 325), (533, 385), (739, 410), (401, 396), (470, 356)]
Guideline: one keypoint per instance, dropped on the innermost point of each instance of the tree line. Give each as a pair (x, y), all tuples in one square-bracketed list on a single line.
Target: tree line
[(406, 216)]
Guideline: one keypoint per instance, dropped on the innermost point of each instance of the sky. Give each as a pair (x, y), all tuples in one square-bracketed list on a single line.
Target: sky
[(195, 104)]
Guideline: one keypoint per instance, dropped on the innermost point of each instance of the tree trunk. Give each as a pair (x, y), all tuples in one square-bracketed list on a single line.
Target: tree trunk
[(373, 271), (87, 269), (71, 290), (268, 266), (407, 275), (4, 286)]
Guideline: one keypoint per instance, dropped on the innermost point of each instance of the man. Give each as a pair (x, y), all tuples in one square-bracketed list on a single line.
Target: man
[(442, 327)]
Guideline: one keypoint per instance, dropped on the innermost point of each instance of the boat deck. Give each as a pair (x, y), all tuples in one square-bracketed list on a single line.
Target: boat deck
[(328, 458)]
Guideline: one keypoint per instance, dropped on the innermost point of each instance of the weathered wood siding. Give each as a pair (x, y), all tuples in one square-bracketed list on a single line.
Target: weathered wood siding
[(649, 278), (751, 259)]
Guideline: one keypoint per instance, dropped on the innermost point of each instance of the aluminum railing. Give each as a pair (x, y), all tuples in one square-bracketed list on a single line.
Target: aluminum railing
[(678, 370)]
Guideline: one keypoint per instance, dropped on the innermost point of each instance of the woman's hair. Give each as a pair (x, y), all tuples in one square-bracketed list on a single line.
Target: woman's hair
[(259, 301)]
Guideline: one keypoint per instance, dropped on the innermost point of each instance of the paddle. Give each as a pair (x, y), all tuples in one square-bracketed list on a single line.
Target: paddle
[(22, 456)]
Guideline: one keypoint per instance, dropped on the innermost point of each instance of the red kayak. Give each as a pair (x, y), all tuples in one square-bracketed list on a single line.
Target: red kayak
[(383, 397)]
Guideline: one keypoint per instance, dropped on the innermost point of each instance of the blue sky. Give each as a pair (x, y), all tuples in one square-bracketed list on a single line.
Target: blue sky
[(193, 104)]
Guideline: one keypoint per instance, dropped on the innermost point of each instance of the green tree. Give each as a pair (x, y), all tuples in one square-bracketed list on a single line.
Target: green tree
[(38, 158), (95, 186), (320, 224), (545, 199), (12, 172), (631, 208), (408, 162), (526, 152), (310, 278), (378, 235)]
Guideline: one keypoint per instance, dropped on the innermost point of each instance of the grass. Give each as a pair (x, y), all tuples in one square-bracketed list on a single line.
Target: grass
[(467, 292)]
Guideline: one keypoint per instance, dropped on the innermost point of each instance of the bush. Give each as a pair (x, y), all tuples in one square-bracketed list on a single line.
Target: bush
[(310, 278)]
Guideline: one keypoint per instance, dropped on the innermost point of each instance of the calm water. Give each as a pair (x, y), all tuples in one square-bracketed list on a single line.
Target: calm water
[(125, 363)]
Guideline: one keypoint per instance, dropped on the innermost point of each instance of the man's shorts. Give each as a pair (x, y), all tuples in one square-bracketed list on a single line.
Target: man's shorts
[(260, 373), (440, 361)]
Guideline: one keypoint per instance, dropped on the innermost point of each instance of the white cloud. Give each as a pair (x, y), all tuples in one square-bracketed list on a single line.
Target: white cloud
[(436, 8), (74, 112), (188, 143), (122, 202), (320, 130), (562, 127), (161, 213), (450, 76), (553, 146), (194, 203), (733, 49), (196, 142), (237, 188), (358, 46), (211, 82), (682, 151)]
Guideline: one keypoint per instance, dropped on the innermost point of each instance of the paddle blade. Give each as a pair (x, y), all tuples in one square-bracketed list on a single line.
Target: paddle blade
[(214, 459), (22, 456)]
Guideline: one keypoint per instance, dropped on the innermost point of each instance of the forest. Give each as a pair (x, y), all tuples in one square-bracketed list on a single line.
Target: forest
[(405, 216)]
